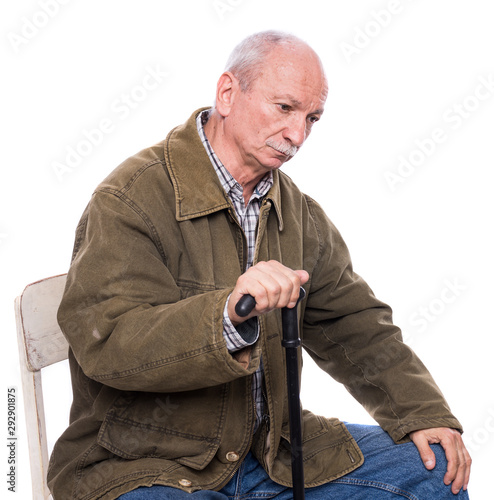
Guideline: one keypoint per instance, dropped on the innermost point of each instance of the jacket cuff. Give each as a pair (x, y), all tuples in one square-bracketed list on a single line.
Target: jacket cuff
[(244, 335), (401, 434)]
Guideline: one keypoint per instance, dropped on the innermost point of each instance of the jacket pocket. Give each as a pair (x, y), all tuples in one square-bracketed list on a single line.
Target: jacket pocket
[(184, 427), (328, 449), (312, 427)]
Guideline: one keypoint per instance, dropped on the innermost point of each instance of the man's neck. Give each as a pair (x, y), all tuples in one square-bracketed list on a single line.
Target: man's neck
[(230, 157)]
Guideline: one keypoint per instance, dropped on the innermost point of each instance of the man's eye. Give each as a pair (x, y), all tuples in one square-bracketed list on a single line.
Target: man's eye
[(313, 119), (284, 107)]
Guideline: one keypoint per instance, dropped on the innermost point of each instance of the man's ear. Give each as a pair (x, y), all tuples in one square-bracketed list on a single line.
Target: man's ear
[(226, 90)]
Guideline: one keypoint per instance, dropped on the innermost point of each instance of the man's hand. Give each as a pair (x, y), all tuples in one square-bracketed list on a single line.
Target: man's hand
[(273, 286), (459, 461)]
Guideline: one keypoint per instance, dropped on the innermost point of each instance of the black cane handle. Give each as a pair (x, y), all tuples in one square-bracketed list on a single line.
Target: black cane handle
[(246, 303)]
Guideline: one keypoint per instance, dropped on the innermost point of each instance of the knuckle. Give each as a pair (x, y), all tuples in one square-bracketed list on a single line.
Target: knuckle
[(274, 289), (295, 279), (262, 302)]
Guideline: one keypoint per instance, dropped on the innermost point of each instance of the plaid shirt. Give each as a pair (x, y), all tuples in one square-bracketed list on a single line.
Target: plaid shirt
[(246, 333)]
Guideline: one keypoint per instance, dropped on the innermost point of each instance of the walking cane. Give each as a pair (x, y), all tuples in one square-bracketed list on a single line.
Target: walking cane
[(291, 342)]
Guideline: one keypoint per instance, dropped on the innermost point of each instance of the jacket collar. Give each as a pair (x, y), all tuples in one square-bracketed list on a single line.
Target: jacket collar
[(198, 190)]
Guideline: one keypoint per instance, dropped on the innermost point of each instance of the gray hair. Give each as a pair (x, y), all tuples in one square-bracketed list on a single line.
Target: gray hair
[(245, 62)]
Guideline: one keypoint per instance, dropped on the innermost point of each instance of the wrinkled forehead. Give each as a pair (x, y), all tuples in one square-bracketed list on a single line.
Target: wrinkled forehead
[(296, 71)]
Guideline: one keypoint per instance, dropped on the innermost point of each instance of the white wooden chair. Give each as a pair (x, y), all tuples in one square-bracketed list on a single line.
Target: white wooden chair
[(41, 343)]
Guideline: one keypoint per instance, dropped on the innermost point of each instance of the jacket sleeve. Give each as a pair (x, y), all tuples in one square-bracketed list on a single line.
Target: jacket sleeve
[(123, 314), (350, 334)]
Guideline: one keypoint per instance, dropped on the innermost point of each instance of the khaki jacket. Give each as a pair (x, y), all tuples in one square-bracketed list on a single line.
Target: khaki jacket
[(158, 399)]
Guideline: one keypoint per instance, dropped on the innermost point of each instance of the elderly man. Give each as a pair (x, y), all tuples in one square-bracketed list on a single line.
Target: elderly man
[(174, 394)]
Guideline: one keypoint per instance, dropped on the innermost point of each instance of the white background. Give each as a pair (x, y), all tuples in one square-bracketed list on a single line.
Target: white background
[(394, 78)]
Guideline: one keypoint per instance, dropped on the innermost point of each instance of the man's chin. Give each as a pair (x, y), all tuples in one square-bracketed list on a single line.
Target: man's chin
[(276, 163), (273, 162), (280, 159)]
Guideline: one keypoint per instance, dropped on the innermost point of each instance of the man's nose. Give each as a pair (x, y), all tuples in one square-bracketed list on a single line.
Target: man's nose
[(296, 131)]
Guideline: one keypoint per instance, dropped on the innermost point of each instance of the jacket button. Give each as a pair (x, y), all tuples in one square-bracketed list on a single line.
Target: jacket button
[(185, 482), (232, 456)]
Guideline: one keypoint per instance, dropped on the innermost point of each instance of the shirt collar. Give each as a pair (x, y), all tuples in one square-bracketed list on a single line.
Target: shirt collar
[(189, 167)]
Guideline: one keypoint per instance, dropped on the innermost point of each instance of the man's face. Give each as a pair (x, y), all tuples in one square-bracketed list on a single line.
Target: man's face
[(270, 121)]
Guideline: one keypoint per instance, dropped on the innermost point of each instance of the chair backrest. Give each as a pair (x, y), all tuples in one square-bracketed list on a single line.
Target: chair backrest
[(41, 343)]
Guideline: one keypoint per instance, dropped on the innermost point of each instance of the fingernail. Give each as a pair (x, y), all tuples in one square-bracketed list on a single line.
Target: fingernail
[(429, 463)]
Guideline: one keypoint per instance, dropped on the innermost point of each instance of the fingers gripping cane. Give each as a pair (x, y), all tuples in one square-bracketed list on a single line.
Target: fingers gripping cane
[(291, 342)]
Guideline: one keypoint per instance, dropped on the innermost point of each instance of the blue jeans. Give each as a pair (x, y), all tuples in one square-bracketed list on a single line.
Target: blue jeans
[(389, 472)]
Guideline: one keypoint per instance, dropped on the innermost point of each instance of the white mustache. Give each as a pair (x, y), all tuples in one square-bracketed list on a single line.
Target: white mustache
[(286, 149)]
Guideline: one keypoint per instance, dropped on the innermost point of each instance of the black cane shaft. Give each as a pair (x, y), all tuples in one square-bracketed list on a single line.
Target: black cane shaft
[(294, 414), (290, 327), (291, 342)]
